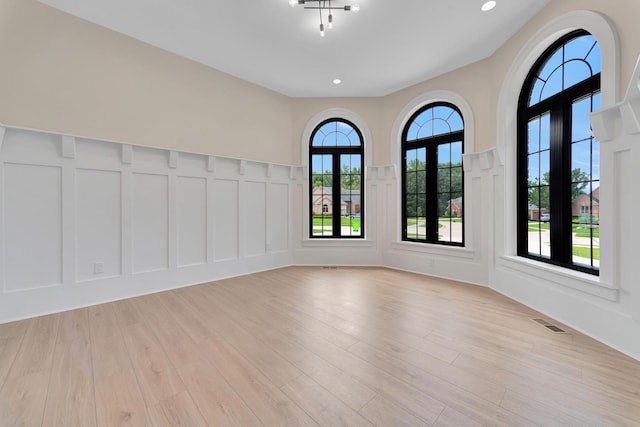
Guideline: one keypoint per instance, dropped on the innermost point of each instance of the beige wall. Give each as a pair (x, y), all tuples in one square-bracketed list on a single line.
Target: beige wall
[(65, 75)]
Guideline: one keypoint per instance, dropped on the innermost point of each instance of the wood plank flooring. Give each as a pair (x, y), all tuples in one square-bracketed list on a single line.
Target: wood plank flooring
[(312, 346)]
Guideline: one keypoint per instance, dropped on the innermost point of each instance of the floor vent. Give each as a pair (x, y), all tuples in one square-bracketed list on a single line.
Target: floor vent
[(330, 267), (549, 326)]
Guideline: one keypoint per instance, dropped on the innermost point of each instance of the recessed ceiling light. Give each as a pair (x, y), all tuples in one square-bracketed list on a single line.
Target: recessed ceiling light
[(337, 81), (488, 6)]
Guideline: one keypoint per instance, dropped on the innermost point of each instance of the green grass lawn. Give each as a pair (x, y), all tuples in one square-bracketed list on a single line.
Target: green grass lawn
[(322, 220), (414, 221), (579, 230), (585, 252), (416, 236), (586, 231), (345, 222), (537, 226), (446, 219)]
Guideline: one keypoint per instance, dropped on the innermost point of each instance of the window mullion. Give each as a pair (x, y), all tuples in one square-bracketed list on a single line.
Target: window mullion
[(567, 218), (337, 196), (404, 191), (522, 180), (431, 187), (556, 182)]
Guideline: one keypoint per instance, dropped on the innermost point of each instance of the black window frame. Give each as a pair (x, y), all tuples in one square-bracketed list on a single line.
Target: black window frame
[(335, 152), (431, 144), (559, 106)]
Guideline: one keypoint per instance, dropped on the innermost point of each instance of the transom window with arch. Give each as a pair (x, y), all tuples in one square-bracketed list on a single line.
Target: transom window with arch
[(558, 156), (432, 176), (336, 180)]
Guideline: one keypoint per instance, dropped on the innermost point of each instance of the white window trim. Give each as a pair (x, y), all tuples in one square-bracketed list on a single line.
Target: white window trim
[(469, 147), (363, 127), (604, 32)]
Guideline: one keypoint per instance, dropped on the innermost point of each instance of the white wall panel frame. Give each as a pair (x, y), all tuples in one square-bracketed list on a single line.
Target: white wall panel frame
[(151, 222), (68, 217), (32, 263), (191, 220), (98, 223), (226, 207), (254, 208), (278, 214), (172, 220), (126, 191), (82, 162), (3, 131)]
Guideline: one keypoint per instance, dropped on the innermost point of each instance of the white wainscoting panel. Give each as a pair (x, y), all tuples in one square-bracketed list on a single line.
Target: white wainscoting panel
[(150, 222), (191, 208), (101, 221), (33, 226), (278, 217), (226, 219), (255, 217), (98, 224)]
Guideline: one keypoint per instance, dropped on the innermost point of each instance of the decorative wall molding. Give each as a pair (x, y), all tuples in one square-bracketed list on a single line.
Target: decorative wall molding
[(605, 122), (299, 173), (173, 159), (127, 154), (484, 160), (102, 227), (68, 147)]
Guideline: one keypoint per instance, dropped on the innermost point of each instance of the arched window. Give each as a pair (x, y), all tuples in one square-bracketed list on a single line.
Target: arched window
[(432, 176), (336, 180), (558, 157)]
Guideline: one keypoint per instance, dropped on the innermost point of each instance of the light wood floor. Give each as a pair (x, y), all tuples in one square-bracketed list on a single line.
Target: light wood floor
[(311, 346)]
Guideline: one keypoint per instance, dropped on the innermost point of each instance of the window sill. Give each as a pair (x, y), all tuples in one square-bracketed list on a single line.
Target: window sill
[(562, 276), (427, 248), (337, 243)]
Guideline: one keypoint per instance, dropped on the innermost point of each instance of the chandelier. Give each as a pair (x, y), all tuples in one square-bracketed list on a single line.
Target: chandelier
[(324, 7)]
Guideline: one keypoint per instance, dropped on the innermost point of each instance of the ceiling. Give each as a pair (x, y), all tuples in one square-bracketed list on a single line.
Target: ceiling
[(386, 46)]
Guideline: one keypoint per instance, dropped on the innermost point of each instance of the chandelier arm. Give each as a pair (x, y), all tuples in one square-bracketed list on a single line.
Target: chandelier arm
[(321, 5), (328, 8)]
